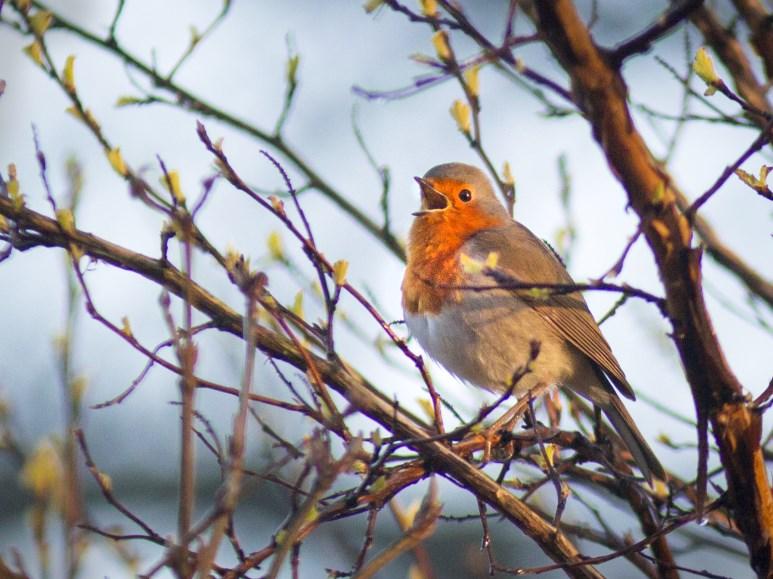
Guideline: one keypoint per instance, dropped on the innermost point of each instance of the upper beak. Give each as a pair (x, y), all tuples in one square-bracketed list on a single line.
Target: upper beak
[(431, 198)]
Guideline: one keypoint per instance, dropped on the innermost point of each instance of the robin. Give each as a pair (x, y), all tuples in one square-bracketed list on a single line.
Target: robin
[(484, 337)]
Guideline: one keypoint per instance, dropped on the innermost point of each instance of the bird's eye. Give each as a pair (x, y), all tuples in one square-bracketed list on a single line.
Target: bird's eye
[(465, 195)]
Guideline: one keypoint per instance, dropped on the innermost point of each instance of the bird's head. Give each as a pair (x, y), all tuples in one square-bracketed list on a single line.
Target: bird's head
[(456, 201)]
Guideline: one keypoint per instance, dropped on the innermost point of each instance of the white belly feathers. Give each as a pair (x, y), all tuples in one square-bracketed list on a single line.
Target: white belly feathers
[(488, 339)]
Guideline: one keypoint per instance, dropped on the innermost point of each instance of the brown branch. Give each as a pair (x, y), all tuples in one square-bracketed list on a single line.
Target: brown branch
[(762, 139), (717, 393), (725, 256), (188, 101), (664, 24), (35, 229), (760, 24), (422, 528)]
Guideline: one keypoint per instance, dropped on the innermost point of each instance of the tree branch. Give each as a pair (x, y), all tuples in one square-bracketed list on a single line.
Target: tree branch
[(717, 393), (38, 230)]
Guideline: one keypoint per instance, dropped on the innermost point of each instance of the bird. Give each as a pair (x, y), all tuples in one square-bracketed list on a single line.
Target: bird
[(485, 336)]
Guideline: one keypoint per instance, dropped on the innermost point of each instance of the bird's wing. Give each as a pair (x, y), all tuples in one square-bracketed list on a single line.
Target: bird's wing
[(524, 258)]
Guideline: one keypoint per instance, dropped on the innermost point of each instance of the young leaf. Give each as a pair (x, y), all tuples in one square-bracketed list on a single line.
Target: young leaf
[(35, 52), (68, 74), (440, 42), (703, 66), (297, 308), (40, 21), (172, 183), (66, 220), (275, 248), (507, 174), (470, 264), (340, 268), (372, 5), (116, 161), (126, 327), (460, 111), (128, 100), (428, 8), (42, 471), (471, 78)]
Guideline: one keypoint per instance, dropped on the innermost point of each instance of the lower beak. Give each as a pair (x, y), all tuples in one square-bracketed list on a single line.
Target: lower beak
[(431, 199)]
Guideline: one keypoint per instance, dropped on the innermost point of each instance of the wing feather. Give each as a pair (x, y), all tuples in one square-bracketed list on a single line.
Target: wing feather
[(529, 260)]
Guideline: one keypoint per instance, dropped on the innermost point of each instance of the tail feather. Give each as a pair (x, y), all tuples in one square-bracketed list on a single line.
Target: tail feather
[(622, 422)]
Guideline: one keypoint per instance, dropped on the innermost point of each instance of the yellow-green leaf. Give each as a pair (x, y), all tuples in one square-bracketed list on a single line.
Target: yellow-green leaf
[(42, 471), (297, 308), (660, 193), (126, 100), (471, 78), (460, 111), (340, 268), (359, 467), (40, 21), (551, 450), (759, 183), (470, 264), (88, 118), (66, 220), (421, 58), (492, 259), (116, 161), (507, 174), (747, 178), (68, 74), (292, 68), (703, 66), (105, 481), (379, 484), (539, 293), (660, 489), (78, 388), (277, 204), (312, 515), (4, 224), (35, 52), (126, 327), (14, 189), (663, 438), (24, 5), (275, 247), (195, 36), (232, 257), (442, 48), (428, 8), (372, 5), (427, 408), (408, 516), (171, 181)]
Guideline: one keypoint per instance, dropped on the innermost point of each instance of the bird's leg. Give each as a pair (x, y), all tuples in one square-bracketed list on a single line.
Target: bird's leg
[(507, 421)]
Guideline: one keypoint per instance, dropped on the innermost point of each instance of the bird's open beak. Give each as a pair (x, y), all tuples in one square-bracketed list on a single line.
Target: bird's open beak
[(431, 199)]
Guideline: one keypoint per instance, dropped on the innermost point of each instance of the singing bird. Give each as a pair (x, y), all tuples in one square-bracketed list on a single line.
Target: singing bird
[(484, 337)]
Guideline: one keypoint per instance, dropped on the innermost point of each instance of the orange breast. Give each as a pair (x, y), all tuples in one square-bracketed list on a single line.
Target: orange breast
[(433, 267), (428, 280)]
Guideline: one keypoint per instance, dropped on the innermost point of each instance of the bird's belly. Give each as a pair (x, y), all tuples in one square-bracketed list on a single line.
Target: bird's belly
[(487, 341)]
